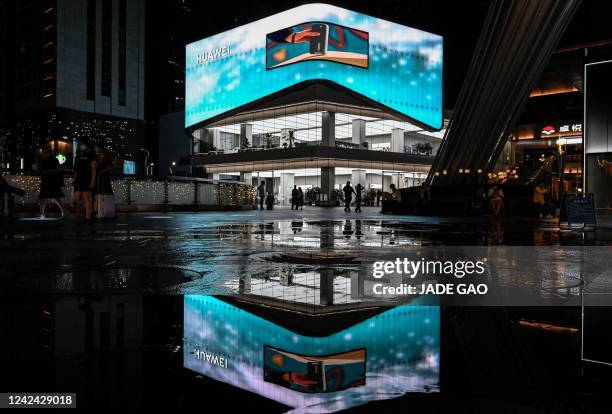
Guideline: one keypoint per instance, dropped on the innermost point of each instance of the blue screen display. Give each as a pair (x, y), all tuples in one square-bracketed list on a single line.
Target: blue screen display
[(129, 167), (401, 353), (402, 69)]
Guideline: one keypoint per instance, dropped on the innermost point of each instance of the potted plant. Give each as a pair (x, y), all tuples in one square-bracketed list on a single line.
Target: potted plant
[(338, 196), (311, 195), (423, 148), (206, 147), (370, 197)]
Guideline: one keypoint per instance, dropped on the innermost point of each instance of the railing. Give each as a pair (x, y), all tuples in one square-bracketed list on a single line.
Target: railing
[(166, 192)]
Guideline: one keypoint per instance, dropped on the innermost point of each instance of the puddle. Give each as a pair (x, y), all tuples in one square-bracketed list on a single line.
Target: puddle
[(375, 357), (111, 280)]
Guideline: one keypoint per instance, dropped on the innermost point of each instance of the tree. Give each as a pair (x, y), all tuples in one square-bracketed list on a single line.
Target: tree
[(423, 148)]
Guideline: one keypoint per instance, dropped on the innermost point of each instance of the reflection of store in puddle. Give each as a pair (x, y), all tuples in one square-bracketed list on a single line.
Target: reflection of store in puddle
[(314, 282), (301, 288), (314, 363)]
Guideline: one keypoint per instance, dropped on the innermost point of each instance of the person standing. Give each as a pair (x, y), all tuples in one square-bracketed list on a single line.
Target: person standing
[(358, 190), (269, 201), (539, 194), (301, 198), (295, 194), (261, 193), (348, 196), (103, 192), (51, 183), (84, 177), (496, 199)]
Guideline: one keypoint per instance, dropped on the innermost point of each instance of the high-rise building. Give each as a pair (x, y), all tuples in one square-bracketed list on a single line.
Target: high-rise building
[(71, 70)]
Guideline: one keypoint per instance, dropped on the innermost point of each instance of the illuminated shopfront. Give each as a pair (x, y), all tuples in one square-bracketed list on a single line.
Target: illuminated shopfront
[(540, 150)]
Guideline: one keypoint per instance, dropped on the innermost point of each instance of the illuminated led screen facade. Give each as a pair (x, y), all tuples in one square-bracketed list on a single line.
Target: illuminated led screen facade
[(386, 356), (396, 67)]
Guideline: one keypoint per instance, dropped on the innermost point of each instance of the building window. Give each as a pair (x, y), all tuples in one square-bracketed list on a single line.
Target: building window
[(107, 46), (91, 50), (122, 50)]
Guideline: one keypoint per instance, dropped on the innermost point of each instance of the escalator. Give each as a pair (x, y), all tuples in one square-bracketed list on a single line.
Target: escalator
[(531, 175)]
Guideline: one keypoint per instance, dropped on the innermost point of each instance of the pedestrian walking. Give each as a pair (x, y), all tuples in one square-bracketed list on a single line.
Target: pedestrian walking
[(84, 178), (348, 196), (301, 198), (103, 193), (51, 183), (358, 190)]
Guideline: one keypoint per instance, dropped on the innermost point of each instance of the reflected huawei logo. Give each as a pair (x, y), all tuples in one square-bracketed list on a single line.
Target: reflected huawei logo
[(212, 359)]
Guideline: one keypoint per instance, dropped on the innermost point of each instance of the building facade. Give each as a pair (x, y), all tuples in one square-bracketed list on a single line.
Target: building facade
[(73, 70), (313, 97)]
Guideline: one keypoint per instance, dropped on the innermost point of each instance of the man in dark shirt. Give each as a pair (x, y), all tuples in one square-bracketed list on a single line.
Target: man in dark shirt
[(295, 196), (348, 196)]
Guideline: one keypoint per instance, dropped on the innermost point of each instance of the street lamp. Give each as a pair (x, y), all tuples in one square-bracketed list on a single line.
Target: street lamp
[(146, 163), (173, 165), (561, 142)]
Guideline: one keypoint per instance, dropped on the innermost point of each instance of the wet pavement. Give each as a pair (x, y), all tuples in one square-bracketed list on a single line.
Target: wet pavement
[(138, 313)]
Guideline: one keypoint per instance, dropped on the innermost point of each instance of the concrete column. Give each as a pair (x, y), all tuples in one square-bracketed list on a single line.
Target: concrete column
[(328, 129), (327, 287), (244, 284), (359, 132), (246, 177), (397, 140), (328, 180), (216, 134), (287, 181), (358, 177), (357, 282), (246, 135), (326, 236)]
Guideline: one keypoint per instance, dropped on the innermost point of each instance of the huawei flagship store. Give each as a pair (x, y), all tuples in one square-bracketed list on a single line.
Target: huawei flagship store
[(314, 97)]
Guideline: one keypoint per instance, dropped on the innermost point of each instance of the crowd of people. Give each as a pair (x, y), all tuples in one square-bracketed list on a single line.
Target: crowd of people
[(352, 196), (93, 192), (91, 183)]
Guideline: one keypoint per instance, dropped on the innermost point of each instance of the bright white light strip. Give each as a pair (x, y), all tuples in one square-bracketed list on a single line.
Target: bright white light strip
[(307, 126), (315, 172)]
